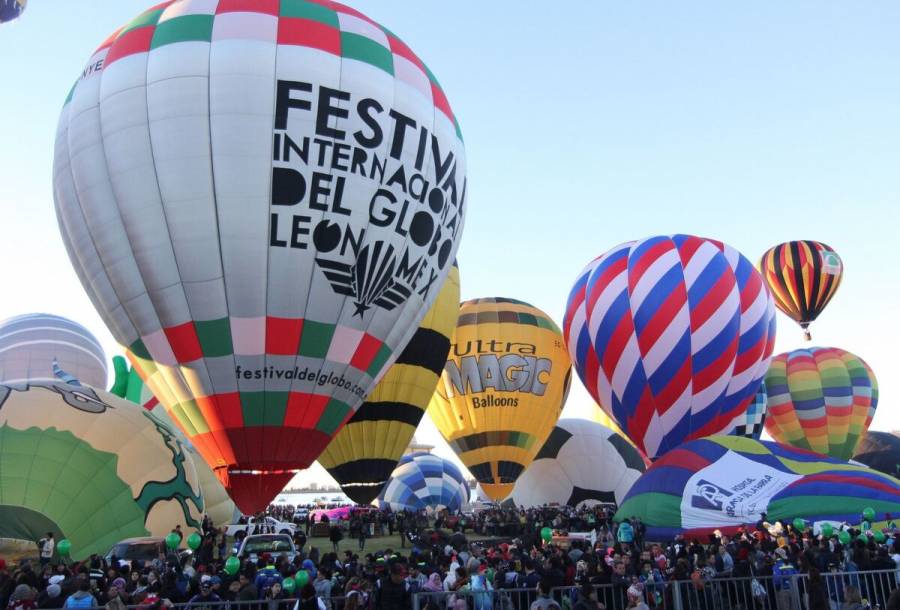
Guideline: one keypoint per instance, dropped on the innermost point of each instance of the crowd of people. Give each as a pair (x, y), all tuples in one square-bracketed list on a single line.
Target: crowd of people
[(511, 566)]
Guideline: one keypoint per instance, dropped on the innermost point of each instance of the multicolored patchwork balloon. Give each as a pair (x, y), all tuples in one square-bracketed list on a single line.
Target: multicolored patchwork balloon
[(502, 390), (423, 481), (671, 335), (362, 456), (262, 198), (724, 482), (751, 423), (822, 399), (31, 343), (803, 277)]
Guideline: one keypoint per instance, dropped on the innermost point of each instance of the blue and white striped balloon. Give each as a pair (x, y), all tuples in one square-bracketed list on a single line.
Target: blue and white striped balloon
[(422, 481)]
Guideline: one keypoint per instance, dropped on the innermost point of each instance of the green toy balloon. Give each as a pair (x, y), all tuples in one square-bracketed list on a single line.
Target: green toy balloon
[(194, 541), (64, 547), (827, 530), (546, 534), (301, 578), (878, 535), (844, 537), (799, 524), (869, 513), (289, 584), (232, 565), (863, 538), (172, 540)]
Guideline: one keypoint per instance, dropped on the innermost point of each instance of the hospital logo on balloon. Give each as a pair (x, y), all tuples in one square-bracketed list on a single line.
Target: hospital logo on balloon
[(376, 194), (731, 490)]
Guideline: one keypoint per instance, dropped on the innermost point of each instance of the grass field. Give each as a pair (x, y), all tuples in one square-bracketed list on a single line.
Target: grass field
[(16, 550)]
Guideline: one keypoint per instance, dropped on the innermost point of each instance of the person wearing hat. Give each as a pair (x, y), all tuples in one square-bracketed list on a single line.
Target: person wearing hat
[(782, 579), (636, 598), (51, 597), (206, 595), (22, 598)]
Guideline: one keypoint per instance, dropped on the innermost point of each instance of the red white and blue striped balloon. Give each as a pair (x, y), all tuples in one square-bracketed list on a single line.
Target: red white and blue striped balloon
[(672, 336)]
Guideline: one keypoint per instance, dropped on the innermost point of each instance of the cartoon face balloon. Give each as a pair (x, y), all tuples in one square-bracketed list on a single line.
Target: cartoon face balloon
[(90, 467), (262, 199)]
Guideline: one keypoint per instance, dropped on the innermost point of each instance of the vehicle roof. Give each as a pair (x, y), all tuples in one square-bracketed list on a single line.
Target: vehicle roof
[(141, 539), (285, 536)]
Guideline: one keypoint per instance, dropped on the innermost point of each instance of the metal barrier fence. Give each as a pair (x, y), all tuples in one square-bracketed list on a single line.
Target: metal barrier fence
[(333, 603), (758, 593)]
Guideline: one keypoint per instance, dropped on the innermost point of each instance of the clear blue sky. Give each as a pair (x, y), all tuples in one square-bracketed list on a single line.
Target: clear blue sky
[(586, 124)]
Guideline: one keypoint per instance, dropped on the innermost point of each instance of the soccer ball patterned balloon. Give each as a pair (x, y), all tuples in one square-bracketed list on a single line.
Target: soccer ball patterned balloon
[(581, 462)]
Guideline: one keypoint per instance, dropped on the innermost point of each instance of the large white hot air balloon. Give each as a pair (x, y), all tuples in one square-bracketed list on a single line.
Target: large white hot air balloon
[(262, 199)]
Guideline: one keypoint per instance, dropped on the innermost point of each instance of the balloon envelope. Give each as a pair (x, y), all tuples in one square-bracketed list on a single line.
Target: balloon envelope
[(581, 462), (262, 201), (881, 451), (423, 481), (366, 450), (751, 423), (218, 505), (502, 389), (723, 482), (30, 343), (820, 398), (90, 467), (803, 277), (11, 9), (671, 335)]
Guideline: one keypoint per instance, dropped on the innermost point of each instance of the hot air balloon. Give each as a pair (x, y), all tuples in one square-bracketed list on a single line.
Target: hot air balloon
[(671, 335), (219, 507), (820, 398), (90, 467), (365, 452), (803, 276), (581, 463), (724, 482), (30, 343), (750, 423), (423, 481), (262, 200), (881, 451), (502, 389), (11, 9)]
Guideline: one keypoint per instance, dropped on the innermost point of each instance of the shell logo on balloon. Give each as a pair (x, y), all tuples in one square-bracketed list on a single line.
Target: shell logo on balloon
[(262, 200), (102, 469)]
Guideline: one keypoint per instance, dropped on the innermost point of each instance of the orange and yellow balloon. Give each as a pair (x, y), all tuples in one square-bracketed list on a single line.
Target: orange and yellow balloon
[(802, 277), (502, 389)]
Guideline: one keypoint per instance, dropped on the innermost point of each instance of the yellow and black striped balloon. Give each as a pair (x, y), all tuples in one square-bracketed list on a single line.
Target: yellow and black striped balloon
[(802, 276), (362, 456), (502, 389)]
